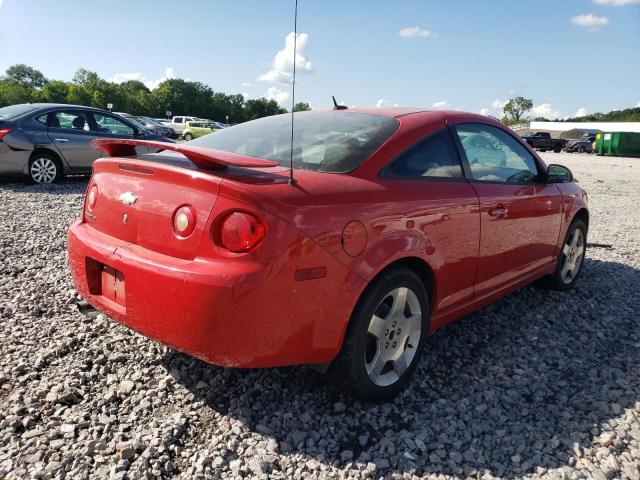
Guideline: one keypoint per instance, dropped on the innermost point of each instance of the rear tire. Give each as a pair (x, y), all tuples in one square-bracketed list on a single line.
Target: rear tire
[(188, 137), (581, 150), (385, 337), (44, 168), (570, 260)]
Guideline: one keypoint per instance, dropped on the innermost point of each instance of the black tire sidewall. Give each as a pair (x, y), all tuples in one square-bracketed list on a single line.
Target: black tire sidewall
[(55, 161), (350, 364)]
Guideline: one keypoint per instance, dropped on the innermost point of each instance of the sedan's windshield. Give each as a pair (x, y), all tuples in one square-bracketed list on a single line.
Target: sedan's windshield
[(325, 141), (15, 110)]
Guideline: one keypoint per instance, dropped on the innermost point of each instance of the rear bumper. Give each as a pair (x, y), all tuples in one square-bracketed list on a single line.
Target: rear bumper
[(233, 314)]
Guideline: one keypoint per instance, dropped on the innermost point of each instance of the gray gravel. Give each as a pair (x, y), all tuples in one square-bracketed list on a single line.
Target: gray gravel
[(540, 384)]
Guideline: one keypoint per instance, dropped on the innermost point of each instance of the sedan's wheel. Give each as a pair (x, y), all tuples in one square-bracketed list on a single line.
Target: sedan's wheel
[(188, 137), (581, 150), (43, 168), (384, 340), (570, 260)]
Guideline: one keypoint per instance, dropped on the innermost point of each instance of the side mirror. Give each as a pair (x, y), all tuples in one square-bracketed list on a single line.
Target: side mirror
[(559, 174)]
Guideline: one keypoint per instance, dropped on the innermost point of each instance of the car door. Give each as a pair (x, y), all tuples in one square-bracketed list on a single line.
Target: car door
[(71, 133), (428, 184), (520, 215)]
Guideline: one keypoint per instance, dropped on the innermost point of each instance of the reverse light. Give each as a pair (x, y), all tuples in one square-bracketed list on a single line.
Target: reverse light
[(92, 197), (241, 231), (4, 131), (184, 221)]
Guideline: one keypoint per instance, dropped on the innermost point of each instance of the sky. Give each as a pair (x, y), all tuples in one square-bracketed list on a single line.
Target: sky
[(571, 56)]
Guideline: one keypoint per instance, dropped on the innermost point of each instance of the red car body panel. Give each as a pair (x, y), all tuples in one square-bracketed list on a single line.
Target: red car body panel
[(289, 300)]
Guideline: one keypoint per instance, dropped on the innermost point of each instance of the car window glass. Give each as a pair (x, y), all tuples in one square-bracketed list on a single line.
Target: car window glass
[(434, 157), (107, 124), (495, 156), (178, 120), (42, 119), (69, 120)]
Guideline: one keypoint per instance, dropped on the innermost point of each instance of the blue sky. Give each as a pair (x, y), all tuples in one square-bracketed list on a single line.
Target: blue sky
[(467, 54)]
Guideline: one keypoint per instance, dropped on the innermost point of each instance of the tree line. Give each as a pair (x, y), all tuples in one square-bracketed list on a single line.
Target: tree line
[(24, 84)]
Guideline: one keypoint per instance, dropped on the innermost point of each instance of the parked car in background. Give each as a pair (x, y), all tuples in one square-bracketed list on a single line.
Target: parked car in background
[(195, 129), (397, 223), (582, 144), (45, 141), (543, 141), (157, 127), (178, 123)]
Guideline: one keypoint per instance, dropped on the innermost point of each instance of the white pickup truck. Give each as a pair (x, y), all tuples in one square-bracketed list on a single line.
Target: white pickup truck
[(177, 123)]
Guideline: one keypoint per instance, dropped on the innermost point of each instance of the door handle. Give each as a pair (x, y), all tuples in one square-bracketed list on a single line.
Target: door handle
[(62, 140), (498, 211)]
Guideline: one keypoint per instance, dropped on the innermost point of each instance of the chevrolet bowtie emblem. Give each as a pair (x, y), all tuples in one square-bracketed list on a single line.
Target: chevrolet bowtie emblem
[(128, 198)]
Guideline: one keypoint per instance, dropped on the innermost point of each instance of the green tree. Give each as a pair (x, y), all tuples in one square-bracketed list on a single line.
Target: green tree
[(25, 76), (515, 108), (261, 107), (301, 107), (55, 91)]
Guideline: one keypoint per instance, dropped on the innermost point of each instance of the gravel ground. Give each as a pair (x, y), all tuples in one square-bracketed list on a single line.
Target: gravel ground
[(541, 384)]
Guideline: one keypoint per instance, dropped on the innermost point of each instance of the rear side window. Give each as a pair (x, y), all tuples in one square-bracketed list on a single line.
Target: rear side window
[(434, 157), (69, 120), (334, 141), (178, 120)]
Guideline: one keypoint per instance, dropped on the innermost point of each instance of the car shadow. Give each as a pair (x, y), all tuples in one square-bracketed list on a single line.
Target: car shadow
[(72, 184), (526, 384)]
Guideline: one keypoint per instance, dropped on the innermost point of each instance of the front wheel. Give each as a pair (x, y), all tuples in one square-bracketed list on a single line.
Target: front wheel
[(570, 260), (188, 137), (385, 337)]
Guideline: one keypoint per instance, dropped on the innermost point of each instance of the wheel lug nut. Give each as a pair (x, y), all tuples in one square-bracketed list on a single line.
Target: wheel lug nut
[(399, 330), (386, 345), (386, 332), (394, 345), (394, 324)]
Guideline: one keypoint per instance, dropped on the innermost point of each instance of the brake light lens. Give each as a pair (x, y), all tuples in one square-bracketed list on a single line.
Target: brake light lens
[(92, 197), (184, 221), (241, 231), (4, 131)]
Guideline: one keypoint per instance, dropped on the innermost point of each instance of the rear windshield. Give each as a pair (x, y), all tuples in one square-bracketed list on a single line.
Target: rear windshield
[(15, 110), (334, 142)]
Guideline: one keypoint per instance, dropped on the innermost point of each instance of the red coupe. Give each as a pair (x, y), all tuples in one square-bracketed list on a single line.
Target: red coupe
[(391, 224)]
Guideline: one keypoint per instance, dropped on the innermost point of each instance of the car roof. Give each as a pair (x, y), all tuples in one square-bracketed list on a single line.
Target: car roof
[(64, 105), (396, 112)]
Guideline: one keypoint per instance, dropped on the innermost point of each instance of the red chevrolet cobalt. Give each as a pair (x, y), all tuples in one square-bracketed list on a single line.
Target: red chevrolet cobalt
[(391, 224)]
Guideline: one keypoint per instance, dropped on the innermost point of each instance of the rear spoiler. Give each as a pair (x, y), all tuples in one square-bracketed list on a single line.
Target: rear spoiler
[(204, 158)]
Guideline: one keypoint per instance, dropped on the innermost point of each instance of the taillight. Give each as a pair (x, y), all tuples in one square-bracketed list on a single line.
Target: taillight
[(184, 221), (4, 131), (241, 231), (92, 197)]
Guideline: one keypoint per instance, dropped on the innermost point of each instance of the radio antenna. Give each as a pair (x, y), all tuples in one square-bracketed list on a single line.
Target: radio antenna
[(293, 91)]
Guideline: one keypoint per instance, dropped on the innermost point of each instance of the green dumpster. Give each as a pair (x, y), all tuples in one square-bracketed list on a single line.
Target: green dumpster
[(618, 143)]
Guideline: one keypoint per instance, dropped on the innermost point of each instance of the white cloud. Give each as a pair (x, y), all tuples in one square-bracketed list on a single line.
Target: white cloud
[(616, 3), (546, 110), (498, 104), (638, 105), (415, 32), (282, 66), (590, 22), (124, 77), (581, 112), (246, 84), (151, 84), (1, 1), (168, 75), (485, 111), (441, 104), (381, 103), (274, 93)]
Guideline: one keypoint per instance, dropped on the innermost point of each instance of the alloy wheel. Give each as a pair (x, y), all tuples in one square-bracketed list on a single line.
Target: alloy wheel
[(393, 336), (572, 256), (44, 170)]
